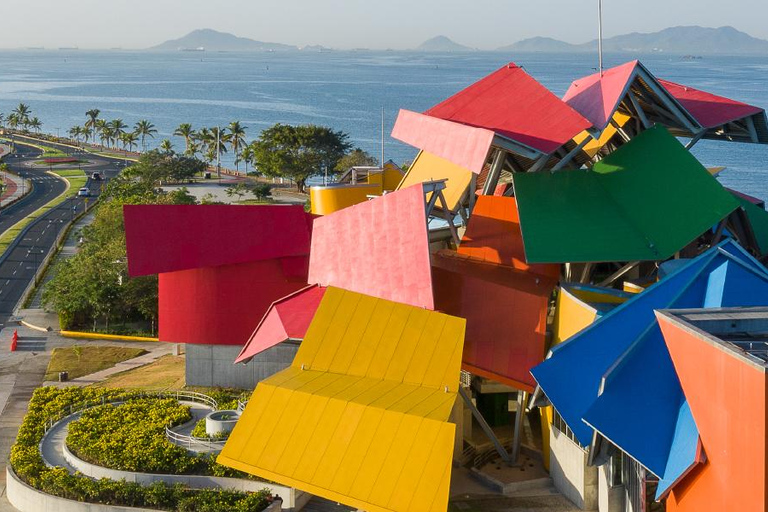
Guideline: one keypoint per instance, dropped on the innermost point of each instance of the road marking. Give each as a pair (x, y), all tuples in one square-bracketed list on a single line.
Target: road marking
[(14, 272)]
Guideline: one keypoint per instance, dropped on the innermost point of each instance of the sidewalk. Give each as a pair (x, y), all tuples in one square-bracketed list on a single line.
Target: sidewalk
[(15, 188)]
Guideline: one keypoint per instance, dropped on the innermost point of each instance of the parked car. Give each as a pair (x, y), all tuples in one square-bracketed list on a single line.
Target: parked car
[(83, 192), (96, 176)]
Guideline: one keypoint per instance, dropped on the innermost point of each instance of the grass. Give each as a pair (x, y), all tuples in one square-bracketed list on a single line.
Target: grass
[(82, 360), (12, 232), (165, 373), (70, 173)]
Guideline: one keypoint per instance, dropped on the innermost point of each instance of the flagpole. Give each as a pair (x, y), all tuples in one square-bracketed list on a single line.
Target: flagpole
[(600, 36)]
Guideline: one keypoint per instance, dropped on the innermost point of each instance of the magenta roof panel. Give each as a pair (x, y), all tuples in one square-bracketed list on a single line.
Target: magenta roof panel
[(378, 248), (168, 238)]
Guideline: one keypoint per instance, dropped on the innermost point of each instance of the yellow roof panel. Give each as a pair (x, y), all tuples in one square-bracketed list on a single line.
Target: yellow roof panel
[(361, 416), (428, 167)]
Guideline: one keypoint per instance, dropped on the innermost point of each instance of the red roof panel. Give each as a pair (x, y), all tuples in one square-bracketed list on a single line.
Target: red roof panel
[(287, 318), (597, 97), (168, 238), (709, 109), (513, 104), (506, 313), (378, 248)]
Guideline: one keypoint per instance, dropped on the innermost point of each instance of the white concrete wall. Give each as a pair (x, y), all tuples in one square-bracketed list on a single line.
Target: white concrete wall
[(570, 473), (609, 499), (292, 498), (214, 365)]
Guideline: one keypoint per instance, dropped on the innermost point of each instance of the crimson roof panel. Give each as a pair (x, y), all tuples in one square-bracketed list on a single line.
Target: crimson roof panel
[(709, 109)]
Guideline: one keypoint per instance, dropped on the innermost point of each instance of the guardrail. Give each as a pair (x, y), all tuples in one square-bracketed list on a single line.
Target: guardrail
[(191, 442)]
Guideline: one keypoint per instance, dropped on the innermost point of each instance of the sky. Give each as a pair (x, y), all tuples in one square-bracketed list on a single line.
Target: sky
[(397, 24)]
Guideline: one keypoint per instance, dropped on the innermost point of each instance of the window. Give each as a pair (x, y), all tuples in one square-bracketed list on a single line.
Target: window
[(616, 476)]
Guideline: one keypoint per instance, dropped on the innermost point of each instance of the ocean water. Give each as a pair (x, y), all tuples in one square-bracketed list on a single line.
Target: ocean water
[(344, 90)]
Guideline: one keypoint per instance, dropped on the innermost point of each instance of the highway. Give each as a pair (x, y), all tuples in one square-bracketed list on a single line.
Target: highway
[(20, 262)]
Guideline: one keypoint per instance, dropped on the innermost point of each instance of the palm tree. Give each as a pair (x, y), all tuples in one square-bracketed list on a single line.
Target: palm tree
[(91, 125), (13, 120), (185, 130), (218, 141), (105, 132), (35, 124), (118, 129), (203, 137), (22, 114), (128, 139), (236, 139), (246, 155), (193, 149), (166, 146), (75, 132), (2, 120), (145, 129)]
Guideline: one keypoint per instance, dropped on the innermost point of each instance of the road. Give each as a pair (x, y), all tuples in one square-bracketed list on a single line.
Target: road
[(20, 262)]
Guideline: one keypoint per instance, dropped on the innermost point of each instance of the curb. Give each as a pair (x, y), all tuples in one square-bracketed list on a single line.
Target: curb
[(99, 336), (35, 327)]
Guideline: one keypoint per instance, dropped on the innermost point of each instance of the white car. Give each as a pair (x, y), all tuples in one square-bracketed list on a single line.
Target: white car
[(83, 192)]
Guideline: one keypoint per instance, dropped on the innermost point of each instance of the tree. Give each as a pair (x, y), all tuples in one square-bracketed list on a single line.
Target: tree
[(262, 191), (117, 127), (236, 139), (13, 121), (22, 113), (35, 124), (91, 125), (166, 146), (355, 158), (129, 139), (238, 190), (298, 152), (185, 130), (75, 132), (2, 120), (246, 156), (144, 129)]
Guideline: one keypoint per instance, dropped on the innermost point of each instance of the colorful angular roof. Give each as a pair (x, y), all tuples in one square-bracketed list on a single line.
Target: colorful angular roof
[(286, 319), (361, 416), (645, 201), (758, 220), (514, 105), (167, 238), (598, 96), (464, 146), (616, 376), (429, 167), (493, 235), (710, 110), (379, 248)]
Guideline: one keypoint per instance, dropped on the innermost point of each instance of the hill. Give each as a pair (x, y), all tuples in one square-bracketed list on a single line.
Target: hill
[(215, 41), (442, 44), (674, 40)]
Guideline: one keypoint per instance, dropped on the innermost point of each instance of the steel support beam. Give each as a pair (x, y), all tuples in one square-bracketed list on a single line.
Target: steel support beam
[(485, 426), (494, 172), (696, 138), (522, 398), (639, 110), (752, 130), (571, 155), (619, 273)]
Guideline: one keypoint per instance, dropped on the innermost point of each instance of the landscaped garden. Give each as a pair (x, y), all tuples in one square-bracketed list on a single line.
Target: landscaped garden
[(123, 430)]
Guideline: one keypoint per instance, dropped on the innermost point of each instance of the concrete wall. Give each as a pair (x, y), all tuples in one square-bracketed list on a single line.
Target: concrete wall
[(213, 365), (570, 473), (609, 499)]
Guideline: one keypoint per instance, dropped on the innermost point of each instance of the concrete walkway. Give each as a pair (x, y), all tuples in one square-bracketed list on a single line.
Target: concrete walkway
[(15, 188)]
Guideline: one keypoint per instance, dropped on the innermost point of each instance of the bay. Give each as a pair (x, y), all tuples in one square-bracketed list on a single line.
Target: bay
[(345, 90)]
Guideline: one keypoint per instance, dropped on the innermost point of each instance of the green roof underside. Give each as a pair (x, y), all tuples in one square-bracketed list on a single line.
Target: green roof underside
[(645, 201), (758, 219)]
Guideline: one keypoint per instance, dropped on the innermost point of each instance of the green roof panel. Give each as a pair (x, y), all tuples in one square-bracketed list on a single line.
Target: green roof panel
[(758, 219), (645, 201)]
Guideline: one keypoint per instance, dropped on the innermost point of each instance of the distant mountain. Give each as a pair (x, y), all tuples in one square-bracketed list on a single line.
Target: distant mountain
[(674, 40), (211, 40), (442, 44)]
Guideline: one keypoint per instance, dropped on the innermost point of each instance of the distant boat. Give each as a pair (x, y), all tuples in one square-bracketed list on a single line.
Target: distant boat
[(198, 49)]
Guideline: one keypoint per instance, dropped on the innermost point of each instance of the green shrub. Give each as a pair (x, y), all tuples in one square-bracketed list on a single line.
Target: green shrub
[(48, 403)]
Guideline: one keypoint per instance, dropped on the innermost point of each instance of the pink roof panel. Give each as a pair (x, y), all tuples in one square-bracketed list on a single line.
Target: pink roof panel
[(596, 97), (514, 105), (287, 318), (463, 145), (378, 248), (709, 109), (168, 238)]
